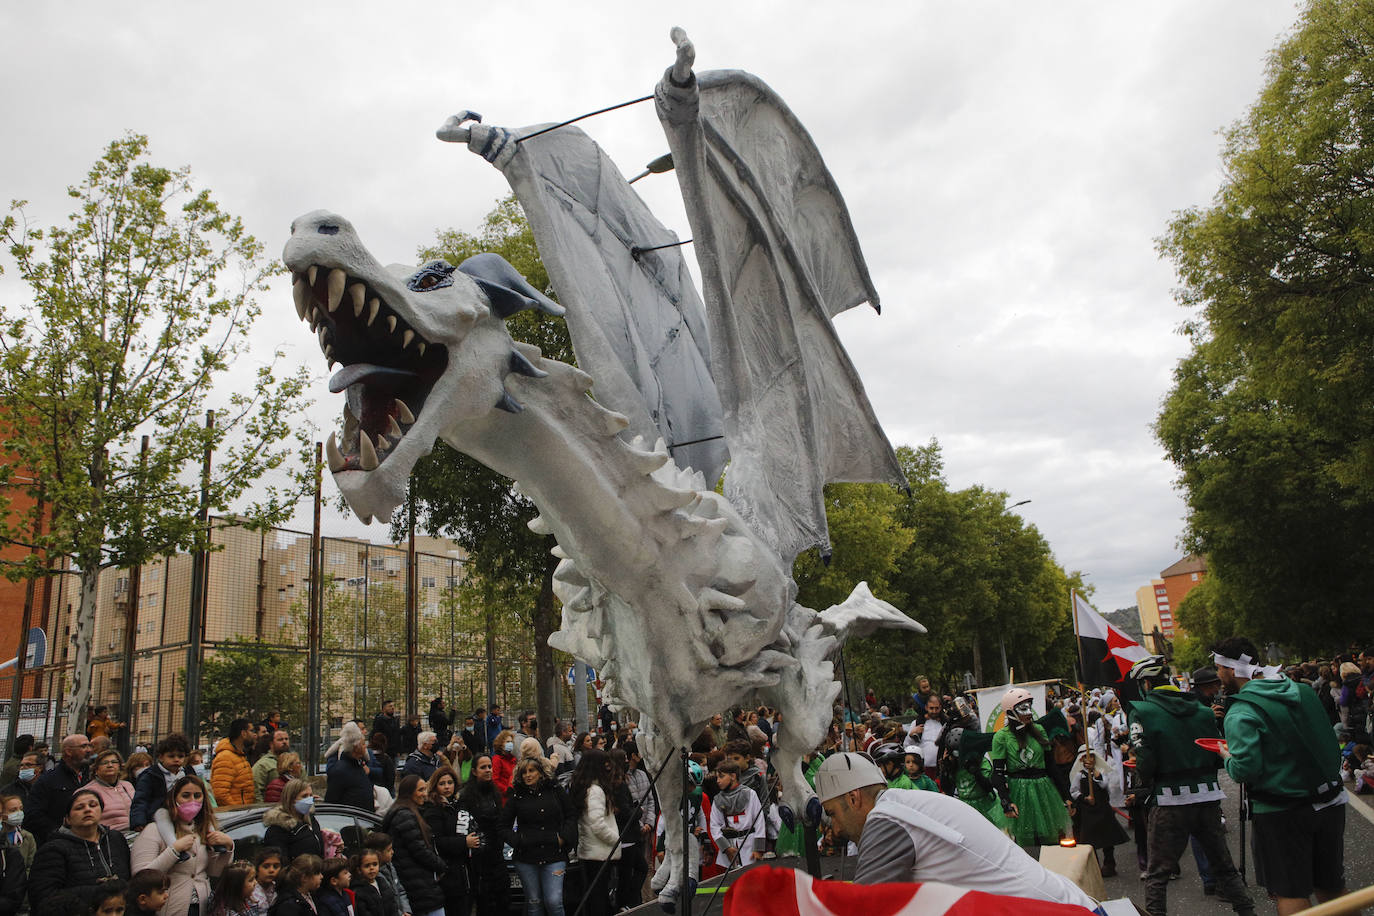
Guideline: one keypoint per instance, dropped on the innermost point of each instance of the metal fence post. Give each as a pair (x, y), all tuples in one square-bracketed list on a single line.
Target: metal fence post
[(200, 576), (312, 663)]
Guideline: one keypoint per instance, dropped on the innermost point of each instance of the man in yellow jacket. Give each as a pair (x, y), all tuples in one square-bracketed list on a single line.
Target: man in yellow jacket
[(231, 775)]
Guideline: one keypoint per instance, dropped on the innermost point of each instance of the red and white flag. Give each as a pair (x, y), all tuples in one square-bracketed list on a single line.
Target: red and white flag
[(1105, 653), (768, 891)]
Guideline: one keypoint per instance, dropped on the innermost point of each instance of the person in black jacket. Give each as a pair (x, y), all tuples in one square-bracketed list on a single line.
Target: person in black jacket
[(291, 827), (351, 771), (295, 885), (52, 792), (153, 784), (386, 722), (441, 814), (14, 880), (546, 835), (382, 754), (417, 863), (409, 732), (79, 854), (481, 802), (366, 867), (439, 721)]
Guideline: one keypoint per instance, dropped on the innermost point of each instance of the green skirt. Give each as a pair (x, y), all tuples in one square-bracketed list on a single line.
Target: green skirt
[(1042, 817)]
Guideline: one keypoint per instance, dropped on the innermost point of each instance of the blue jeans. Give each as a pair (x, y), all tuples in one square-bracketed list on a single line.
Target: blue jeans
[(543, 886)]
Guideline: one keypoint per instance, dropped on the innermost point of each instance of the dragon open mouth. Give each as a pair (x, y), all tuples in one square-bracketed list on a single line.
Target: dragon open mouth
[(388, 368)]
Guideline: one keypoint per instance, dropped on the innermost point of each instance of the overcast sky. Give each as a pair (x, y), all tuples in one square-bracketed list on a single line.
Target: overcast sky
[(1007, 165)]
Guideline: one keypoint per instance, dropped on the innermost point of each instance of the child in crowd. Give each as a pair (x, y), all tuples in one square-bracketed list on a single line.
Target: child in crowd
[(366, 866), (267, 865), (333, 897), (915, 765), (109, 897), (394, 899), (234, 892), (146, 893), (12, 832), (296, 884)]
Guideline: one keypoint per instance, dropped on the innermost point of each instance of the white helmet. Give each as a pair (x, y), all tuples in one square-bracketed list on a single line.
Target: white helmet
[(845, 772), (1013, 698)]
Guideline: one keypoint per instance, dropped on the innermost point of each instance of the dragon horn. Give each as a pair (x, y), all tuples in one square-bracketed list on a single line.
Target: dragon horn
[(507, 292)]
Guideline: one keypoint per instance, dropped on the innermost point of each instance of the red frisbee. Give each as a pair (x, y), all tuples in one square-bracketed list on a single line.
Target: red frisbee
[(1128, 763), (1215, 745)]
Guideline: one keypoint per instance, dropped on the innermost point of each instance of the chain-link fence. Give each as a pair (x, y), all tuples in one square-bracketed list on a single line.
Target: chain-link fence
[(388, 623)]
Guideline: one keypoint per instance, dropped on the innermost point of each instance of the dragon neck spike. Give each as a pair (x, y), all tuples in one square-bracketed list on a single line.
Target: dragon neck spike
[(518, 363), (509, 404)]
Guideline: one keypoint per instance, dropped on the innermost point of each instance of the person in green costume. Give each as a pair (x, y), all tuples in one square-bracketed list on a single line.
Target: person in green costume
[(915, 765), (1038, 813), (891, 758)]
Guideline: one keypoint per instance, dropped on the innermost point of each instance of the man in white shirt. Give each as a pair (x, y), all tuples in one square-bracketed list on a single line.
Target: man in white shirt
[(926, 732), (908, 835), (737, 824)]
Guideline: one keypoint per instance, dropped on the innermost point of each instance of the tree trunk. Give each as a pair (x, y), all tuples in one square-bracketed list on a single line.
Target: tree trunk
[(82, 643), (977, 663), (545, 676)]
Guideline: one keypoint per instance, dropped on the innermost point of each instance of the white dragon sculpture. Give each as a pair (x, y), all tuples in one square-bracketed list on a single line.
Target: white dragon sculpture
[(682, 598)]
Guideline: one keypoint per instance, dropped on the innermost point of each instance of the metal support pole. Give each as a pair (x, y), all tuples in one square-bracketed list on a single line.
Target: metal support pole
[(685, 891), (313, 606), (200, 575), (412, 615), (126, 685)]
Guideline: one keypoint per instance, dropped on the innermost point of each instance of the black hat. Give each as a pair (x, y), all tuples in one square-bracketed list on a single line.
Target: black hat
[(1204, 676)]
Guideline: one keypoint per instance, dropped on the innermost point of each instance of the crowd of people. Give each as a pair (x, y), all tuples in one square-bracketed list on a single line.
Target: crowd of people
[(913, 795)]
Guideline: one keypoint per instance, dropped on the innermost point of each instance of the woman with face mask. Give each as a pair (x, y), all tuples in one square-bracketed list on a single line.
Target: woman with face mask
[(12, 832), (503, 761), (291, 823), (184, 842)]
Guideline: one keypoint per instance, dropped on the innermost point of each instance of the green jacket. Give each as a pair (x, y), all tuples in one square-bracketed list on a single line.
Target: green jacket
[(901, 781), (1280, 745), (1164, 726)]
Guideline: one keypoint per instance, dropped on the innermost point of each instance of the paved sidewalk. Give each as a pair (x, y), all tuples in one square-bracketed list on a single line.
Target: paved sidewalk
[(1185, 894)]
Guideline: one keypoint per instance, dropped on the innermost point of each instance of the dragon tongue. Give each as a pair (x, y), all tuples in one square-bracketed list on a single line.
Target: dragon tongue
[(359, 372)]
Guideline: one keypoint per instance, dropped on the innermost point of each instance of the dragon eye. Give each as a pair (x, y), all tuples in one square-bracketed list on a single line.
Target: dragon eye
[(427, 281)]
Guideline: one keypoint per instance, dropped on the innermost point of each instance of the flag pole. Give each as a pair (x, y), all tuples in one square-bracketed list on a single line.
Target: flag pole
[(1077, 671)]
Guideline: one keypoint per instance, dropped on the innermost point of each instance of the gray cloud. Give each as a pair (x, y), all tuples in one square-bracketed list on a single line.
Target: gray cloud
[(1008, 166)]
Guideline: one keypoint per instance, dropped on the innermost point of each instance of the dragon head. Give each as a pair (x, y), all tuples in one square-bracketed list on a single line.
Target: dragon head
[(420, 349)]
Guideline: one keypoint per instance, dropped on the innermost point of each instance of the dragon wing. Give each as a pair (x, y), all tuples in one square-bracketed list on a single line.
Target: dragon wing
[(778, 259), (638, 326)]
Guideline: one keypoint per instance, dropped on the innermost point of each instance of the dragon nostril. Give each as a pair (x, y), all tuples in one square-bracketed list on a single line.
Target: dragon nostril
[(327, 229)]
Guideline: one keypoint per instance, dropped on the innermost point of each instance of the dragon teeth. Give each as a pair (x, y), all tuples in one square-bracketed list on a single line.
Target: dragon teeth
[(382, 444), (421, 346), (337, 279), (391, 323), (311, 274), (367, 455), (403, 412), (337, 462), (359, 294), (406, 338), (300, 292), (372, 309), (394, 429)]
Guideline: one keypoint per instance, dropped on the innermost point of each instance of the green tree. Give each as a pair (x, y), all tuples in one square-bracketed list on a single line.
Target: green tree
[(972, 572), (1270, 420), (141, 302), (459, 497), (249, 678)]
